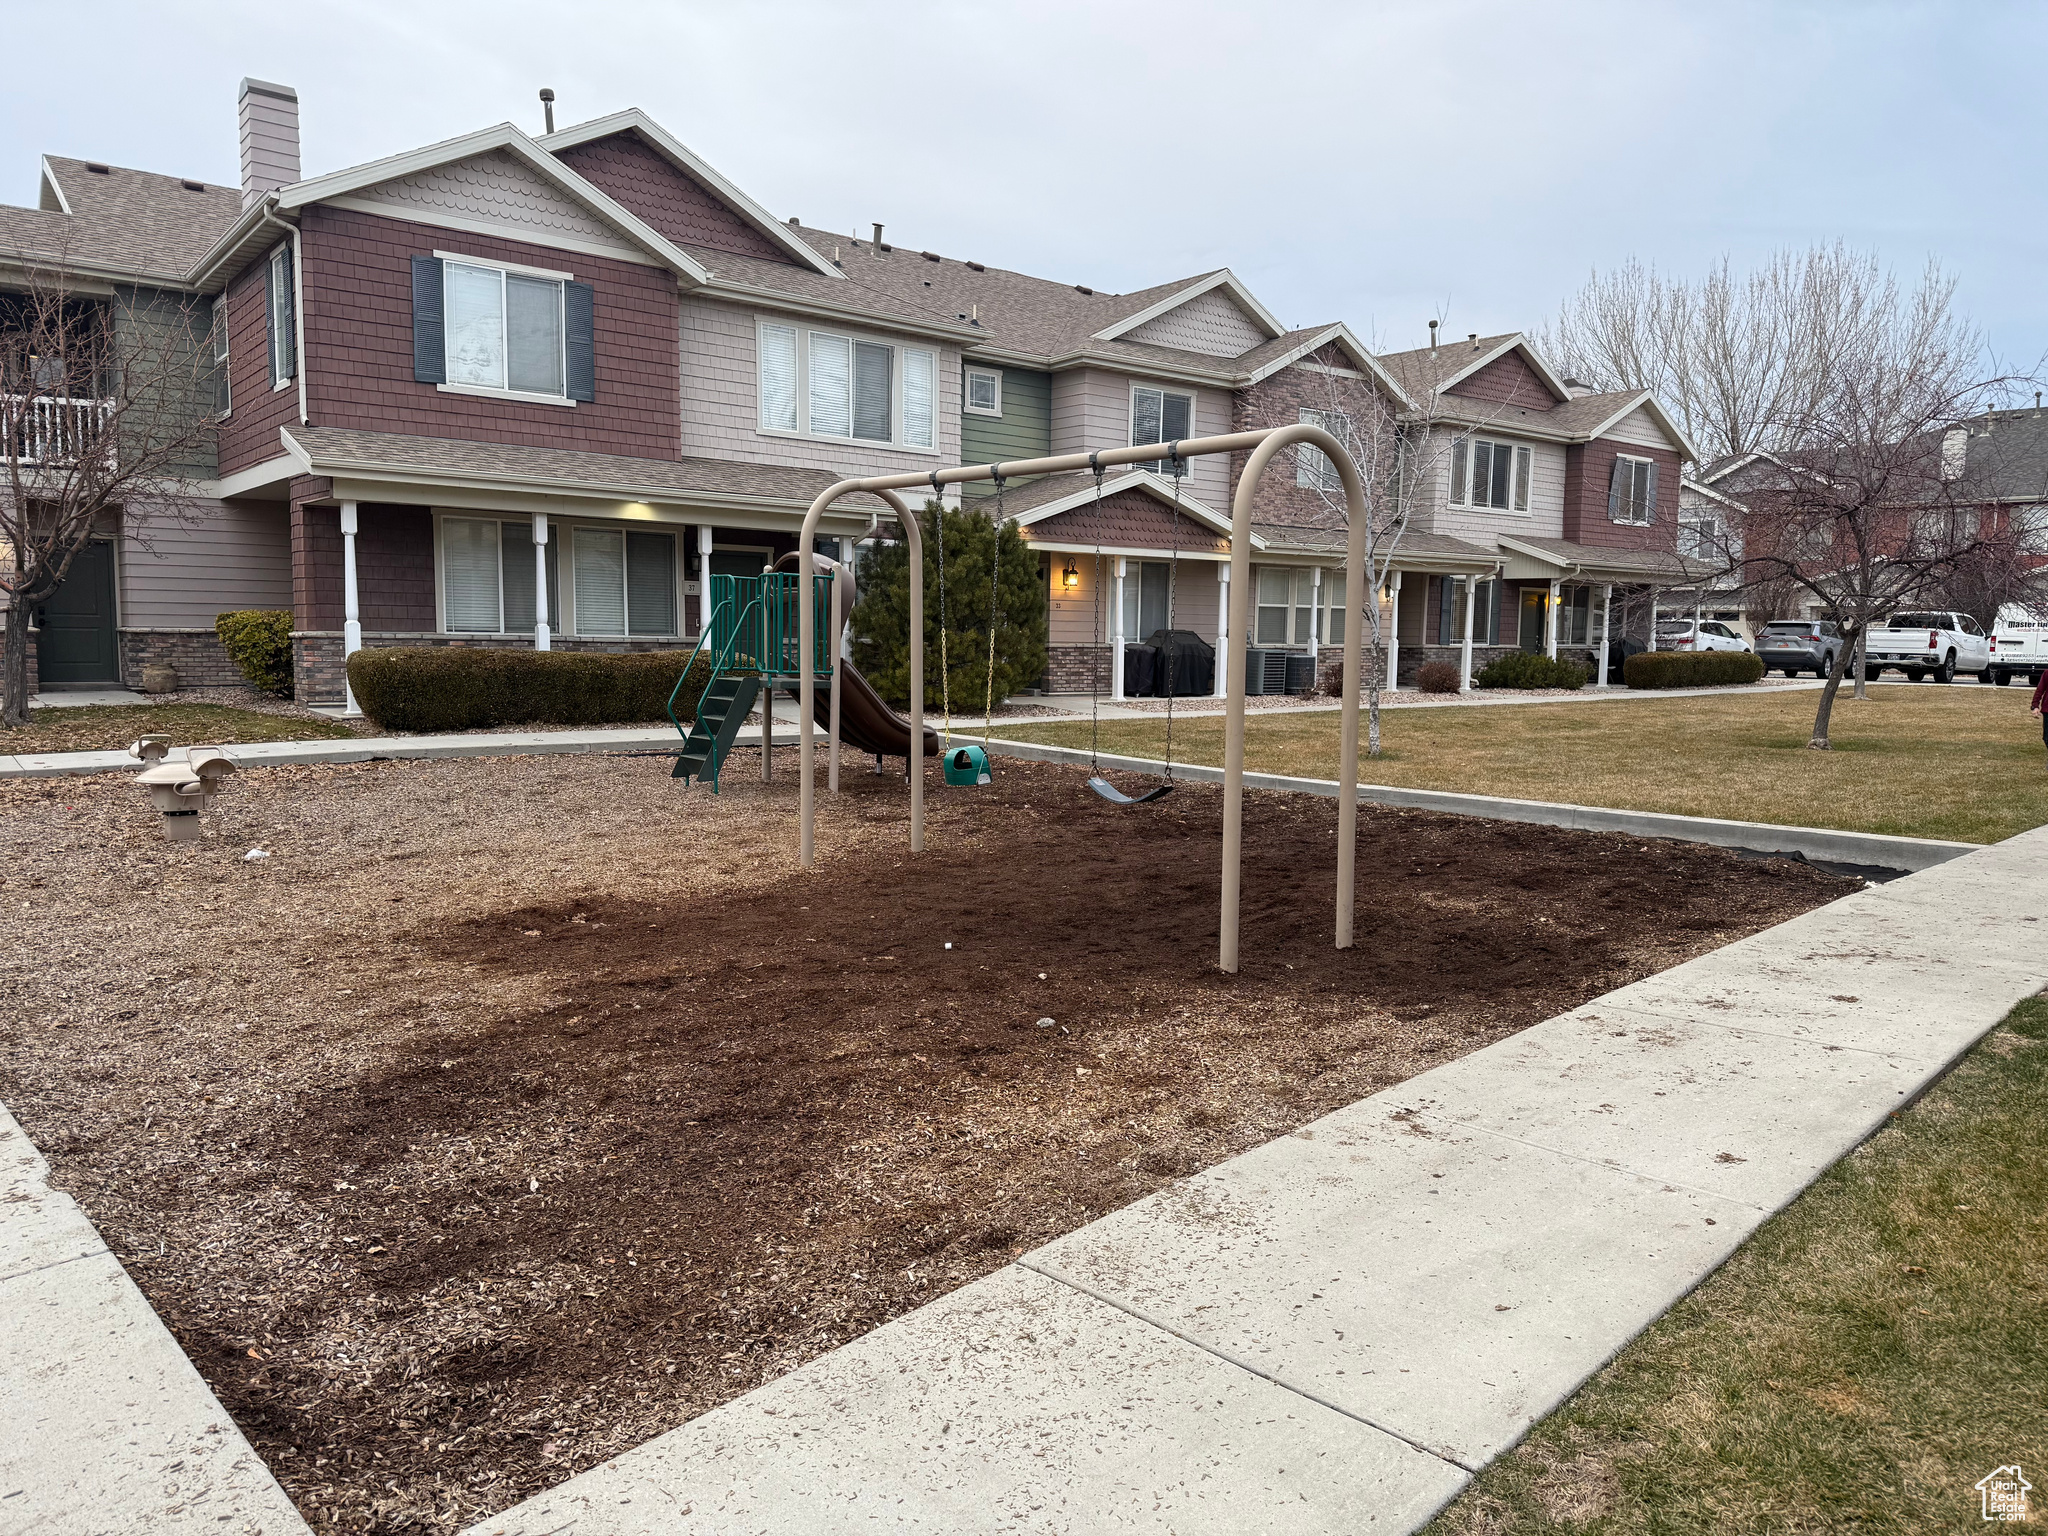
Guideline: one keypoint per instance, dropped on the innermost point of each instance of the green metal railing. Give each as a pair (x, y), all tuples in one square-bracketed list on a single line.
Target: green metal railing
[(753, 628)]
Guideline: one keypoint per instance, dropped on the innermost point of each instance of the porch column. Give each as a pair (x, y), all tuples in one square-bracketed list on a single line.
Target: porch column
[(1465, 641), (1116, 655), (1393, 631), (1655, 593), (703, 577), (1606, 629), (1222, 631), (1550, 622), (1315, 598), (542, 638), (351, 608)]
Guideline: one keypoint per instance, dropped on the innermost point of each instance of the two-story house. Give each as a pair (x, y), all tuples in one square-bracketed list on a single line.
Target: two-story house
[(536, 390)]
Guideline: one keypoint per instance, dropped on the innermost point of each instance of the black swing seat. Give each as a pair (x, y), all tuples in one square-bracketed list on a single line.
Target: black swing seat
[(1115, 796)]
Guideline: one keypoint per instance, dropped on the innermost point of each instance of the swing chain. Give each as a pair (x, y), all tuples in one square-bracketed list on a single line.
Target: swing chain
[(945, 672), (1172, 647), (1094, 676), (995, 570)]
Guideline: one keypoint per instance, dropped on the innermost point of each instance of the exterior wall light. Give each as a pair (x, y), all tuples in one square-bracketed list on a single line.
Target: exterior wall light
[(1070, 578)]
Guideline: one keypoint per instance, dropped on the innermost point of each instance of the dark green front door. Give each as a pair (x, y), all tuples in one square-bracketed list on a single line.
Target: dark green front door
[(77, 642), (1535, 602)]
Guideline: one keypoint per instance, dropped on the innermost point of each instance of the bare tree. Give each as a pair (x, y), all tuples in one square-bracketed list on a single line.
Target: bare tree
[(107, 414), (1870, 502), (1399, 455)]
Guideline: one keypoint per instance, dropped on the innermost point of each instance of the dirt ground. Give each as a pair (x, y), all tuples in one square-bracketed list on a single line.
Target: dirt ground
[(515, 1110)]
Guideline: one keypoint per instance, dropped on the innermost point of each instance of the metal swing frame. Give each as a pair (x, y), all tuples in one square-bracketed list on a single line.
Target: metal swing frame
[(1261, 447)]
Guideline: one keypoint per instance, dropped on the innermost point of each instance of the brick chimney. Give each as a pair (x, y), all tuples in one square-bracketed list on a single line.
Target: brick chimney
[(269, 121)]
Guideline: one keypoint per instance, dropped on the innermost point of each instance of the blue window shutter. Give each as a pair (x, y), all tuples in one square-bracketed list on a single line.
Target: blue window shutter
[(579, 303), (429, 347), (1650, 495), (291, 318), (1617, 490)]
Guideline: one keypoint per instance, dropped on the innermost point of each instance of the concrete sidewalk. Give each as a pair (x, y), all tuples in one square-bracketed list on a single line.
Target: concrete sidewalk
[(1332, 1332)]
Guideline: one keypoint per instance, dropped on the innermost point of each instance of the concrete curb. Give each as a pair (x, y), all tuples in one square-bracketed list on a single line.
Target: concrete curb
[(1822, 843)]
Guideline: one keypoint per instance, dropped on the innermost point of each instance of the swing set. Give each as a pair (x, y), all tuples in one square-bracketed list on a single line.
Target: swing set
[(1261, 447)]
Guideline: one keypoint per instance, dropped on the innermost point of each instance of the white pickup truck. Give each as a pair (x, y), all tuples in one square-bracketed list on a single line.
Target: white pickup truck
[(2019, 646), (1929, 644)]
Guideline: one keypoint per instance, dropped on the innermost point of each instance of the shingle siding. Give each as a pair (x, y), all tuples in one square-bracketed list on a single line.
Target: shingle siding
[(1589, 469), (1210, 323), (249, 435), (642, 180), (497, 189), (358, 323), (1507, 380)]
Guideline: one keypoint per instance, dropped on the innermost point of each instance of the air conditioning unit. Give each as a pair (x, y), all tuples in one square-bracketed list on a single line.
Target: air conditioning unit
[(1301, 672), (1265, 671)]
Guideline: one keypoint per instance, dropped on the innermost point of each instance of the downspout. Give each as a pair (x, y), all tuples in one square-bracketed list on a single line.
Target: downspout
[(298, 300)]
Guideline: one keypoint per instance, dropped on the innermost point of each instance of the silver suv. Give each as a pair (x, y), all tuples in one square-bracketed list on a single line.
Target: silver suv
[(1799, 645)]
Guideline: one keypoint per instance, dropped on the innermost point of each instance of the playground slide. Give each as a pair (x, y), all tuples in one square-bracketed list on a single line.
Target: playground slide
[(866, 722)]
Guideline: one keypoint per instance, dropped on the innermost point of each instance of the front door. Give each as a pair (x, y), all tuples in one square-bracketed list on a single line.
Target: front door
[(1534, 600), (78, 643)]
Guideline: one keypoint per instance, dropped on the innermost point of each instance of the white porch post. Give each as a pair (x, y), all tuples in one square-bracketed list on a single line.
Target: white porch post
[(543, 638), (1655, 593), (1222, 630), (1116, 658), (351, 608), (1606, 629), (1465, 641), (1393, 631), (1315, 598), (1550, 622), (703, 577)]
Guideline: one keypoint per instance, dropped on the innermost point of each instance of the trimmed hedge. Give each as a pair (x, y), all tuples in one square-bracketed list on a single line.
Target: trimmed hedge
[(463, 688), (1437, 677), (259, 641), (1691, 669), (1522, 669)]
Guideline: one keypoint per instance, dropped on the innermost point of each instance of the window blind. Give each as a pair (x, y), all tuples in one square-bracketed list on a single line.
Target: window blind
[(651, 583), (533, 334), (469, 583), (778, 378), (600, 582), (831, 385), (920, 404), (874, 369), (516, 545), (475, 325)]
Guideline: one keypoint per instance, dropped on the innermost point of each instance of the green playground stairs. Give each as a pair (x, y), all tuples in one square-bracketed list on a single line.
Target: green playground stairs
[(752, 644)]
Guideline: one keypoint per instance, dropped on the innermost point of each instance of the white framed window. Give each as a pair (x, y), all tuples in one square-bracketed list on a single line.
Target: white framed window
[(282, 328), (487, 576), (1490, 475), (1290, 608), (1313, 468), (1632, 490), (1160, 416), (983, 392), (624, 580), (504, 329), (826, 384), (224, 394)]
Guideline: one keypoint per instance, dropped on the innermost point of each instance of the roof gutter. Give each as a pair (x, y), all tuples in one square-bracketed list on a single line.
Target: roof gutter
[(298, 298)]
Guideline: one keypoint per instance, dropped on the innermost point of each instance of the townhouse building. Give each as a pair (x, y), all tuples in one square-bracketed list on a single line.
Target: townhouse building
[(537, 390)]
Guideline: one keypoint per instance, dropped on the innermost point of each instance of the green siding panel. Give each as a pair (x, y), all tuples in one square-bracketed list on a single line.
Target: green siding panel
[(1023, 431)]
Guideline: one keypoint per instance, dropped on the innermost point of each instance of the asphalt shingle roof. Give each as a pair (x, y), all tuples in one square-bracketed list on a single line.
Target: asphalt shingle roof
[(134, 223)]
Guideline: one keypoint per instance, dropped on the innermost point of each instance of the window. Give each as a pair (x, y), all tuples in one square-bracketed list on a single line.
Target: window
[(1488, 474), (1313, 467), (625, 582), (280, 303), (223, 392), (822, 384), (1575, 616), (504, 329), (1160, 416), (1632, 490), (1290, 608), (984, 392), (487, 576), (1451, 612)]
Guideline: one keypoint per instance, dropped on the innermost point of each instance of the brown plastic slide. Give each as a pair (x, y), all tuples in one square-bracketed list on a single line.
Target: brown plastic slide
[(866, 722)]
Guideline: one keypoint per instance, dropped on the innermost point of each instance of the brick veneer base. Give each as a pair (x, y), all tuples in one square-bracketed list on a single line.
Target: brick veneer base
[(197, 654), (1077, 668), (319, 675)]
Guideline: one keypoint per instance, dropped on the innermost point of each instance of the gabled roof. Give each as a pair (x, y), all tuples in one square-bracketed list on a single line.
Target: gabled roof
[(117, 223), (508, 139), (1054, 494), (1222, 278), (1595, 415), (672, 149), (1687, 484), (1284, 351), (1443, 367)]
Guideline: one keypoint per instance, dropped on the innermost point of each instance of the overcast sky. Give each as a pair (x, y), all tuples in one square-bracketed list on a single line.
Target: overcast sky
[(1377, 163)]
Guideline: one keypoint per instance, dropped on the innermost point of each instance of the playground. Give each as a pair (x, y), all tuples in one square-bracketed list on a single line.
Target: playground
[(514, 1110)]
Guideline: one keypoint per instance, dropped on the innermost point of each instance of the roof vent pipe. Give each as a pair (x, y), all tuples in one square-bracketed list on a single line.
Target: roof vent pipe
[(547, 105), (1473, 337), (268, 118), (878, 239), (1432, 335)]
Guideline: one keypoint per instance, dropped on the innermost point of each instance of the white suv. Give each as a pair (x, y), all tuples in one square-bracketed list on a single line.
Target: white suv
[(1677, 635)]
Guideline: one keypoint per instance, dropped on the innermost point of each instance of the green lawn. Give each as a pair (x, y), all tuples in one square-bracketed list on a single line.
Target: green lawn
[(1873, 1351), (1962, 762), (110, 727)]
